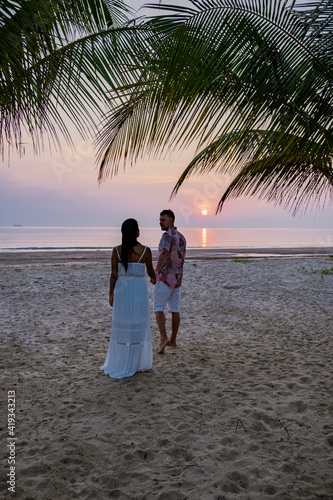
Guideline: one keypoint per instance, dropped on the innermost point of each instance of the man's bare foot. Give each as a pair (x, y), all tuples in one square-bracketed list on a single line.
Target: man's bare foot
[(172, 343), (163, 345)]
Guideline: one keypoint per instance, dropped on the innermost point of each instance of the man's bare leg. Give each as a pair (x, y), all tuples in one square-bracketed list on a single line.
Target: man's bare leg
[(175, 326), (161, 321)]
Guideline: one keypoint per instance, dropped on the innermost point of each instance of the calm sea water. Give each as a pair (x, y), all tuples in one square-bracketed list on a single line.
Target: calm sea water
[(15, 239)]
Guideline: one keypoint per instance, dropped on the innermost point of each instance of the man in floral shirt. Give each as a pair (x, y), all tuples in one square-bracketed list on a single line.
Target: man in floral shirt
[(169, 274)]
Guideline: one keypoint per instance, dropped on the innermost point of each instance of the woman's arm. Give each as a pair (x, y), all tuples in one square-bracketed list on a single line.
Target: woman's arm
[(149, 266), (114, 275)]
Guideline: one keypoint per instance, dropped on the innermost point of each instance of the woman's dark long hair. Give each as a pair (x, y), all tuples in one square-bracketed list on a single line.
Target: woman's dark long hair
[(129, 231)]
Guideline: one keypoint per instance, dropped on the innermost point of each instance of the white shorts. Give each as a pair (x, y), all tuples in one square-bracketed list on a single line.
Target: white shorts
[(164, 296)]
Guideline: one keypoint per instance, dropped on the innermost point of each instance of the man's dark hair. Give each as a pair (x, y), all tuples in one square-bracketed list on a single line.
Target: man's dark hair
[(169, 213)]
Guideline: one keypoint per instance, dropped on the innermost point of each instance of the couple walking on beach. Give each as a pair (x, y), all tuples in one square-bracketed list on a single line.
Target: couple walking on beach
[(130, 347)]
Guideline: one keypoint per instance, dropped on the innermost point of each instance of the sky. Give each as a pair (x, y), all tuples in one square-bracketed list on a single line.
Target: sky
[(62, 190)]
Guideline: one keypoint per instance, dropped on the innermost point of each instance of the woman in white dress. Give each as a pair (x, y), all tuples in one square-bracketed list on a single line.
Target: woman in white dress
[(130, 347)]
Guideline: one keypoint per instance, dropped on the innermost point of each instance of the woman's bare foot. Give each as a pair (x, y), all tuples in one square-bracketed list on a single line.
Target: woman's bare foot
[(163, 345), (172, 343)]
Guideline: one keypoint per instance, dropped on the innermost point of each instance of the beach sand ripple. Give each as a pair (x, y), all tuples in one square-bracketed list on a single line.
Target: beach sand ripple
[(241, 410)]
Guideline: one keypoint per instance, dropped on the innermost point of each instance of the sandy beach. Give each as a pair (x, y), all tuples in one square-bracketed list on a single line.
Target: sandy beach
[(242, 409)]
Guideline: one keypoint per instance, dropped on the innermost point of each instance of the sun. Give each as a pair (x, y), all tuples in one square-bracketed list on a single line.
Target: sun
[(204, 212)]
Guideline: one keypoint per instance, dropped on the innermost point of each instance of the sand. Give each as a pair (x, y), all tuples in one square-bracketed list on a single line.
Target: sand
[(241, 410)]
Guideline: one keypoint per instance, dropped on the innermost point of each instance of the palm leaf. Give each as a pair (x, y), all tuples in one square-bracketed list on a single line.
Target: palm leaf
[(295, 185), (58, 60), (214, 73)]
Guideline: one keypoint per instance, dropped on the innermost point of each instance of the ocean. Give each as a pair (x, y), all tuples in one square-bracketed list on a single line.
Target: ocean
[(18, 239)]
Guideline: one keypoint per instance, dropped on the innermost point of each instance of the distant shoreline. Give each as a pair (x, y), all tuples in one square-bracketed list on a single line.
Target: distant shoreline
[(100, 256), (216, 241)]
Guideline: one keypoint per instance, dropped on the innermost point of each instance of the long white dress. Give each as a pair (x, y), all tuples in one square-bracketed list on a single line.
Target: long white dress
[(130, 348)]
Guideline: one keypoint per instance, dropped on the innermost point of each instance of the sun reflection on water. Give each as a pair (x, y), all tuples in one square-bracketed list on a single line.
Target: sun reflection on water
[(204, 237)]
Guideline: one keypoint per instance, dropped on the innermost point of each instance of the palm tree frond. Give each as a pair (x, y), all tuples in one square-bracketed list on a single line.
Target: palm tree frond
[(52, 62), (290, 185), (244, 81)]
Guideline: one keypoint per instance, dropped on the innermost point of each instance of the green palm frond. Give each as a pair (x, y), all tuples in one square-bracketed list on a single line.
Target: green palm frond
[(295, 185), (219, 70), (60, 58), (317, 17)]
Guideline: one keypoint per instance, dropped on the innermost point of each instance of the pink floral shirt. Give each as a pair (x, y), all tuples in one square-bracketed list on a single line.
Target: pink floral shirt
[(172, 272)]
